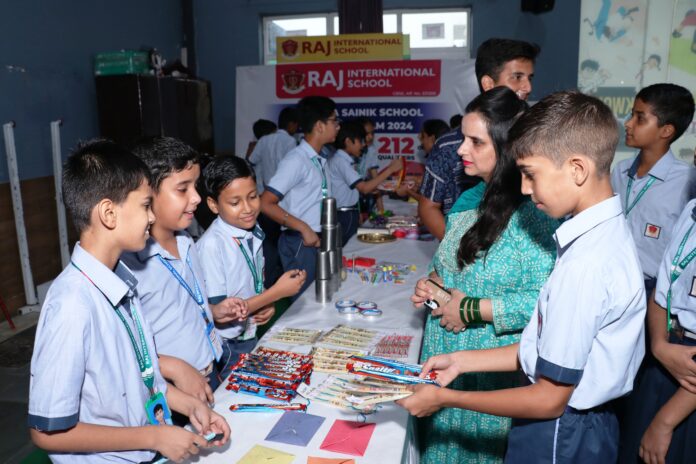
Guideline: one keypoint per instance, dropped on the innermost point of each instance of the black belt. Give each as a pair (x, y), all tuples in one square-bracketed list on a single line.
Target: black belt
[(680, 332)]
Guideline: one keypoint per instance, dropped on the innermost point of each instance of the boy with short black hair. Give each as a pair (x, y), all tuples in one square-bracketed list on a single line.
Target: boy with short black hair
[(655, 185), (346, 182), (95, 374), (584, 342), (170, 280), (294, 195)]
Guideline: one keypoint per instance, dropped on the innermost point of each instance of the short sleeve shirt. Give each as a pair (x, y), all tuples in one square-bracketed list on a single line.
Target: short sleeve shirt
[(226, 270), (173, 314), (683, 301), (368, 161), (653, 217), (344, 179), (587, 328), (84, 367), (268, 152)]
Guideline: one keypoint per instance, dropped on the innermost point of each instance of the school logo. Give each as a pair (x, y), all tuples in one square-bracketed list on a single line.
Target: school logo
[(693, 287), (290, 48), (652, 231), (293, 81)]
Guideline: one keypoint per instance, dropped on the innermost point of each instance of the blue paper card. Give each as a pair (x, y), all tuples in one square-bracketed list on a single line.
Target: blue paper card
[(295, 428)]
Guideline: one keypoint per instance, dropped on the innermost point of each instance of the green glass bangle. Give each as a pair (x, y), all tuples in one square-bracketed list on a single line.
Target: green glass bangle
[(476, 312), (462, 307)]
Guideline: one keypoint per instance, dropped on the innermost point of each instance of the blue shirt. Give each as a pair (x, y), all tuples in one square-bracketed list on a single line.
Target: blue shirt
[(344, 178), (226, 271), (684, 288), (444, 178), (84, 367), (587, 328), (297, 183), (267, 153), (651, 219), (174, 316), (368, 161)]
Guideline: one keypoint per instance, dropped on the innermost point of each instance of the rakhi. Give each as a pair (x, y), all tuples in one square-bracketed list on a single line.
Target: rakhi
[(268, 407), (263, 392), (389, 370)]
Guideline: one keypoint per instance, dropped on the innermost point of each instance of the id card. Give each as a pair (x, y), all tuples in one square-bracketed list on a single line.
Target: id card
[(214, 340), (158, 412)]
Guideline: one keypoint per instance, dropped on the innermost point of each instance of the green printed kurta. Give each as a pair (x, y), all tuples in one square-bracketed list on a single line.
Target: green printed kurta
[(511, 275)]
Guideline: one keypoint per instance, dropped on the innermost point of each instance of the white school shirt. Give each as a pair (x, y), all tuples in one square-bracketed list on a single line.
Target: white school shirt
[(226, 271), (651, 220), (267, 153), (344, 179), (684, 288), (174, 316), (368, 161), (588, 326), (297, 183), (84, 367)]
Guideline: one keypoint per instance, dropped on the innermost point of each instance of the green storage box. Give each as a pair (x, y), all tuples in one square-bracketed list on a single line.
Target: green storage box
[(122, 62)]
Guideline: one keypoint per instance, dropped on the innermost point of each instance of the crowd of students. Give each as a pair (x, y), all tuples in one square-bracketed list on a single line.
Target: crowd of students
[(139, 330)]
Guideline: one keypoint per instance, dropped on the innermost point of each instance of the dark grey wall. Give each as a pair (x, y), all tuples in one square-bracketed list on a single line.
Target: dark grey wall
[(228, 34), (46, 51)]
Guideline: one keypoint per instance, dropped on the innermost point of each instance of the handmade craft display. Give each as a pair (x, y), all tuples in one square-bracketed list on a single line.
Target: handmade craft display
[(294, 336), (393, 346), (354, 393), (385, 272), (350, 337), (267, 407), (331, 361), (389, 370)]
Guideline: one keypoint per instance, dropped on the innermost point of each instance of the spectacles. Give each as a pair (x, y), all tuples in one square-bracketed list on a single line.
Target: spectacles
[(335, 120)]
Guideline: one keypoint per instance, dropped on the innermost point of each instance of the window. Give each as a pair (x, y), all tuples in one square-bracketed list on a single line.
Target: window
[(433, 33)]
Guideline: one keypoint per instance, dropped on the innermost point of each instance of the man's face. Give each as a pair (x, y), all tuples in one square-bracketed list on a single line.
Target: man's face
[(517, 75)]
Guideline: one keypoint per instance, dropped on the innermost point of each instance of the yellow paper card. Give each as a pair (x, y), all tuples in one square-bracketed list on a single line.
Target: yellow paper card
[(261, 454)]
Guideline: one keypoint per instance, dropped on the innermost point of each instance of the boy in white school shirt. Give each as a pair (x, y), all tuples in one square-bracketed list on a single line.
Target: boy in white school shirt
[(95, 375), (232, 258), (584, 342)]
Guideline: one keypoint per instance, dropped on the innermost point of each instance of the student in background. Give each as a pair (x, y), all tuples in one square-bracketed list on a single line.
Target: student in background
[(94, 371), (232, 257), (368, 167), (261, 128)]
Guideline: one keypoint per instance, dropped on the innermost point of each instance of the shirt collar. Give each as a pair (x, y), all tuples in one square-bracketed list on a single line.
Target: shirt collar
[(307, 149), (345, 155), (587, 220), (236, 232), (152, 248), (113, 284), (661, 168)]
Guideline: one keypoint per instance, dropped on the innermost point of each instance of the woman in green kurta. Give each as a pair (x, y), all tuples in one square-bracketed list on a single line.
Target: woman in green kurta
[(497, 247)]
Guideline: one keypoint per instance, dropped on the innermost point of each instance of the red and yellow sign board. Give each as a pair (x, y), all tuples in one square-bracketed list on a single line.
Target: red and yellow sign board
[(346, 47)]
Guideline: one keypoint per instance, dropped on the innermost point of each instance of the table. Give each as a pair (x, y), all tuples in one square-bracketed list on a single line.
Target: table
[(391, 441)]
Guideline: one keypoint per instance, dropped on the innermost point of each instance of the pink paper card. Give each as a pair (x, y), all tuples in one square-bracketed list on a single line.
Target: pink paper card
[(348, 437), (316, 460)]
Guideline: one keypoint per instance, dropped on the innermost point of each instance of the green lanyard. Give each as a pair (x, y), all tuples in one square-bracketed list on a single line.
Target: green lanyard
[(258, 281), (645, 188), (676, 270), (143, 354), (324, 188)]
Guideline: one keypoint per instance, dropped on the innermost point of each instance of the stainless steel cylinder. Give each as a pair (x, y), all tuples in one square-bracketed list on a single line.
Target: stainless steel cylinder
[(323, 290), (323, 271), (329, 216), (330, 237)]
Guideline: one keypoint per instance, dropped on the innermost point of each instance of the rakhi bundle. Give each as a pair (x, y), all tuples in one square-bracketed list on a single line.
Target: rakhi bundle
[(389, 370)]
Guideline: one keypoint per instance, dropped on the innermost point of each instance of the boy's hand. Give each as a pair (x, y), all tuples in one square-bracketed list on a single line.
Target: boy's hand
[(424, 402), (310, 238), (678, 360), (291, 282), (176, 443), (205, 420), (450, 317), (264, 315), (229, 310), (396, 165), (444, 365), (187, 379), (655, 443)]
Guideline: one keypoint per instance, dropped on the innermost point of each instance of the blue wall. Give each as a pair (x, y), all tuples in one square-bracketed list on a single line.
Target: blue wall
[(46, 51), (228, 34)]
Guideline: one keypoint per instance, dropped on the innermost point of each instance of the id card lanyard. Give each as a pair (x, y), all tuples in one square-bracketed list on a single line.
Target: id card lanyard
[(255, 272), (677, 269), (320, 168), (197, 296), (142, 354), (645, 188)]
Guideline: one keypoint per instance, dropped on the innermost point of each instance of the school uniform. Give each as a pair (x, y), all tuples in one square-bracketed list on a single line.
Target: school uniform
[(587, 330), (657, 385), (300, 183), (267, 153), (368, 161), (344, 180), (233, 265), (84, 367), (177, 310), (652, 204)]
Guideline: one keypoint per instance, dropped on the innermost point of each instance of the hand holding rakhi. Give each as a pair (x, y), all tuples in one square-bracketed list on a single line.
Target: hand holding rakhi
[(424, 401)]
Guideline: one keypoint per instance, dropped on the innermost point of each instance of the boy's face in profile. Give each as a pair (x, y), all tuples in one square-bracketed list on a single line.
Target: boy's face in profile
[(552, 188), (354, 147), (177, 199), (328, 128), (517, 75), (134, 217), (642, 128), (238, 203)]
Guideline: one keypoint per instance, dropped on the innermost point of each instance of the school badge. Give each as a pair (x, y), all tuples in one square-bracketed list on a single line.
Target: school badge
[(293, 81), (289, 48), (652, 231)]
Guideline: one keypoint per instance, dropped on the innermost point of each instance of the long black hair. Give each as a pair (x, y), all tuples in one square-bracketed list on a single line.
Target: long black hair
[(499, 108)]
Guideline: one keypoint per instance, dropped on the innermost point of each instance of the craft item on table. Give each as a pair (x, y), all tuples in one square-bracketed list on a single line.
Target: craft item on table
[(372, 230), (389, 370), (295, 428), (358, 261), (252, 388), (330, 360), (371, 313), (348, 437), (319, 460), (376, 238), (346, 307), (263, 455), (261, 407), (392, 182), (380, 218), (350, 337), (358, 394), (294, 336), (393, 346)]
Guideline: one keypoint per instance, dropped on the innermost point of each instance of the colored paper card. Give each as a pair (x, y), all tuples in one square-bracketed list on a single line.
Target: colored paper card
[(316, 460), (262, 455), (295, 428), (348, 437)]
